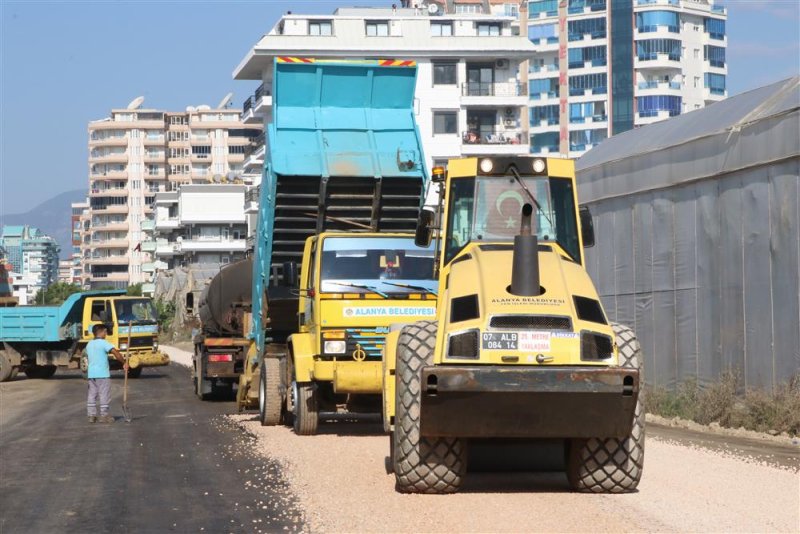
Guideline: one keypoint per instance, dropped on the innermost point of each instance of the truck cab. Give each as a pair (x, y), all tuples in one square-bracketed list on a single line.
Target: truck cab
[(353, 287)]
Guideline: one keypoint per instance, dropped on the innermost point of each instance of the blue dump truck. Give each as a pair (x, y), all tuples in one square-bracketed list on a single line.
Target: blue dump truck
[(344, 154), (38, 339)]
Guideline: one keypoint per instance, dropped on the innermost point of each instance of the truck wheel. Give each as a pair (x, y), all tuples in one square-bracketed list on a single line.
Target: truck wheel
[(421, 464), (40, 371), (202, 386), (269, 392), (135, 372), (6, 369), (306, 409), (612, 465)]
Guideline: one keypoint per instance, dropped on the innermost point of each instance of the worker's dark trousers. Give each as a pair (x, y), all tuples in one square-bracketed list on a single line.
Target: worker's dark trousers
[(98, 387)]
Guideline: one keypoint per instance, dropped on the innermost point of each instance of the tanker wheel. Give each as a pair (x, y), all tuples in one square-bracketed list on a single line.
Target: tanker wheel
[(269, 392), (306, 408), (40, 371), (612, 465), (421, 464), (135, 372), (202, 387), (7, 371)]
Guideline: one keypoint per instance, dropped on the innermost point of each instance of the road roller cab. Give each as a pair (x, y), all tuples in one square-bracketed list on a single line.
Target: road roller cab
[(520, 346)]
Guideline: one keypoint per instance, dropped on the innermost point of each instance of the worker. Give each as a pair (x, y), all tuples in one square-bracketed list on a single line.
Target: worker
[(97, 351)]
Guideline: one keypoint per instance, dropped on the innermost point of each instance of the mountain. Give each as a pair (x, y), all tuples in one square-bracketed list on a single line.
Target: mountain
[(52, 217)]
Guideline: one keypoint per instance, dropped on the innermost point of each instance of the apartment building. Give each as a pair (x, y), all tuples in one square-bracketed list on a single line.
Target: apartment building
[(469, 100), (196, 226), (601, 68), (33, 256), (136, 153)]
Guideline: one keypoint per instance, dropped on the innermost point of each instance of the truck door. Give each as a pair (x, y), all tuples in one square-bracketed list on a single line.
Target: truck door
[(306, 302), (99, 311)]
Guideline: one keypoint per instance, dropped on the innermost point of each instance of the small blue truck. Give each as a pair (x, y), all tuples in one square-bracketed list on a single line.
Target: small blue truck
[(38, 339)]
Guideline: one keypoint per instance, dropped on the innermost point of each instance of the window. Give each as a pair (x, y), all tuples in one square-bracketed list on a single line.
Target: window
[(715, 83), (715, 55), (445, 122), (585, 139), (697, 53), (377, 28), (179, 119), (548, 86), (320, 27), (715, 28), (544, 33), (178, 136), (441, 29), (650, 21), (182, 152), (468, 8), (445, 74), (487, 30), (697, 81), (578, 57), (236, 149), (597, 83), (577, 29), (650, 49), (153, 170), (549, 114), (548, 7), (201, 151), (650, 106)]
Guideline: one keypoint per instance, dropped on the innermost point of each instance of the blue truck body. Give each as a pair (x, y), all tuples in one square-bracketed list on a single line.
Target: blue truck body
[(46, 324), (344, 153)]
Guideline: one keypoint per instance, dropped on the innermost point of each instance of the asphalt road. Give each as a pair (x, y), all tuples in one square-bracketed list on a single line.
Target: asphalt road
[(176, 467)]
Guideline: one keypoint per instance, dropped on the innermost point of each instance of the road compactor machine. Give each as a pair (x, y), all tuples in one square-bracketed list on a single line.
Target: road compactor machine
[(521, 347)]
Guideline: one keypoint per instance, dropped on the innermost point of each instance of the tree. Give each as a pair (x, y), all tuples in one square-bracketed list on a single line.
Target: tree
[(135, 290), (56, 293)]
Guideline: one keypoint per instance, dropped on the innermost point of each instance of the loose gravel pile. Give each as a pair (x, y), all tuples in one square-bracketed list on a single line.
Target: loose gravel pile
[(340, 479)]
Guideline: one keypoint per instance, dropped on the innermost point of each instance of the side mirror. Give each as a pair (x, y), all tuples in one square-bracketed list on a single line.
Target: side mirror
[(424, 232), (587, 226), (290, 276)]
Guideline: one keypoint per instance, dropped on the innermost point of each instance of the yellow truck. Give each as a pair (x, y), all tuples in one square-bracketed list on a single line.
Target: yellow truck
[(353, 286), (521, 347), (39, 339)]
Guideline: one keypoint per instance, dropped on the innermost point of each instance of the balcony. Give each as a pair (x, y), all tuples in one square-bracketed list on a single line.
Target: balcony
[(109, 141), (108, 191), (657, 61), (494, 141), (218, 244), (148, 225), (654, 87), (112, 157), (109, 175), (109, 243), (167, 198), (111, 208), (167, 224), (166, 248), (109, 260), (494, 94), (151, 140), (149, 246), (254, 108), (109, 277)]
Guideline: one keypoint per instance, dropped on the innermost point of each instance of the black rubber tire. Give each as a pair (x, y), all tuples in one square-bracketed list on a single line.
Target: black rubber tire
[(6, 369), (202, 388), (269, 392), (306, 410), (135, 372), (612, 465), (40, 371), (421, 465)]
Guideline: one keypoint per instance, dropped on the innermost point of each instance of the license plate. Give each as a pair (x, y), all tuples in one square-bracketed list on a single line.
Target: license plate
[(499, 340)]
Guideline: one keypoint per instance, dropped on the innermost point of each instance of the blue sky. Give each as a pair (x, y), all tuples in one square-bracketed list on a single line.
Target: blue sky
[(60, 67)]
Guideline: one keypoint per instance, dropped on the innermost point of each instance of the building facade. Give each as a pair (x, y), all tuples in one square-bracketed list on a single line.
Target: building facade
[(136, 153), (602, 68), (469, 100), (33, 256)]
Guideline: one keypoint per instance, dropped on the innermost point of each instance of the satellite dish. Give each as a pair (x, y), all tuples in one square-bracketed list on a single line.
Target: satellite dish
[(136, 102), (225, 101), (433, 8), (217, 178)]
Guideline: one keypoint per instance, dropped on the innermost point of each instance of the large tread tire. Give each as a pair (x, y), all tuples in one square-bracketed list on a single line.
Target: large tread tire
[(40, 371), (6, 369), (135, 372), (269, 392), (612, 465), (306, 410), (421, 464)]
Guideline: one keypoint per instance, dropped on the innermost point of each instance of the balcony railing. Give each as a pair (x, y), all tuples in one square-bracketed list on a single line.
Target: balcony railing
[(493, 89), (252, 101), (655, 84), (256, 143), (253, 194), (489, 136)]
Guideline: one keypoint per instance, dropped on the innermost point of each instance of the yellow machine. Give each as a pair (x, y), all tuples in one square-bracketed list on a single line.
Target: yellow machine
[(132, 327), (520, 346), (353, 287)]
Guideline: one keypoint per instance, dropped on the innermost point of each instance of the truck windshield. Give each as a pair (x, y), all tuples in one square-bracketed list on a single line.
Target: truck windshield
[(136, 311), (380, 265), (490, 209)]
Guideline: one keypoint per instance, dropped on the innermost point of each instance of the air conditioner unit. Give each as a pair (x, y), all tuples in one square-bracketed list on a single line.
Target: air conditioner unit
[(508, 112), (509, 123), (501, 63)]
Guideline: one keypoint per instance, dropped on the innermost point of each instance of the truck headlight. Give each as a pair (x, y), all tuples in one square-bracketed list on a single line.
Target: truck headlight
[(335, 347), (123, 346), (463, 345)]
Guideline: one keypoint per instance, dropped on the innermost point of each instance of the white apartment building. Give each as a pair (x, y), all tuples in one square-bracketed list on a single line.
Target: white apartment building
[(468, 98), (134, 154), (623, 64), (196, 225)]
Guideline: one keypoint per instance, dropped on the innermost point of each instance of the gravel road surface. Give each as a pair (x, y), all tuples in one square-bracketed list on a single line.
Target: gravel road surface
[(687, 487), (179, 466)]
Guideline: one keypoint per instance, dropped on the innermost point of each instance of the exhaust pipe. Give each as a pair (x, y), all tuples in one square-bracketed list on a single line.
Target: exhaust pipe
[(525, 263)]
